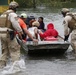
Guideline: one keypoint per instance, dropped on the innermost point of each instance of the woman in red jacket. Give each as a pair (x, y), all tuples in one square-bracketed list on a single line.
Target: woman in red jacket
[(50, 32)]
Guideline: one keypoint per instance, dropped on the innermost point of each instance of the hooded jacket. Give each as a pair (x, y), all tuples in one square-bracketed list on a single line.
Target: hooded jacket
[(49, 32)]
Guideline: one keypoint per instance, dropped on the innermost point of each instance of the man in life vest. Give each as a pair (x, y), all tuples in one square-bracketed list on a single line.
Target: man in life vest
[(69, 27), (23, 25), (50, 32), (10, 47)]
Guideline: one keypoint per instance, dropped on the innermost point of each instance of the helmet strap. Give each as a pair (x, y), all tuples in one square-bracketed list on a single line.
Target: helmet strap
[(64, 14), (14, 9)]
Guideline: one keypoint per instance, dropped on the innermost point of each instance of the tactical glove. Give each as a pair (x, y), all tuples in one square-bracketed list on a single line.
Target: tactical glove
[(23, 36), (66, 38)]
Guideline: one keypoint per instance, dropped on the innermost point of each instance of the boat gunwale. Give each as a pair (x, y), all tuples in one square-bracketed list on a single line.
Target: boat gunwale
[(47, 43)]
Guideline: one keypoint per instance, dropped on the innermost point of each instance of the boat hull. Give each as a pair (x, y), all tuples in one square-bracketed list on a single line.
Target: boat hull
[(50, 45), (58, 46), (47, 46)]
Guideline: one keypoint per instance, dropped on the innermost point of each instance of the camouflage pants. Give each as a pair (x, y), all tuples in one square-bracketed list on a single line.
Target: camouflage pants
[(73, 40), (9, 48)]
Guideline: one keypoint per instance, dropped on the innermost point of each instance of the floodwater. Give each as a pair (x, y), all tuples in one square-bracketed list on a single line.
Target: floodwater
[(49, 64)]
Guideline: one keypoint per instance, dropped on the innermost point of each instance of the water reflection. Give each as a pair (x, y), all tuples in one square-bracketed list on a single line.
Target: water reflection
[(51, 65)]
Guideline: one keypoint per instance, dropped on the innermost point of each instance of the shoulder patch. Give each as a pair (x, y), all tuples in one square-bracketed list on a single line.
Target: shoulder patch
[(64, 22)]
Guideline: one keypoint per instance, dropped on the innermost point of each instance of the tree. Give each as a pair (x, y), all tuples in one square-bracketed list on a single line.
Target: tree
[(34, 3)]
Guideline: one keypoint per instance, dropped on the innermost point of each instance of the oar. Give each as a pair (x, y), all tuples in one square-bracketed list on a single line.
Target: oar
[(61, 37)]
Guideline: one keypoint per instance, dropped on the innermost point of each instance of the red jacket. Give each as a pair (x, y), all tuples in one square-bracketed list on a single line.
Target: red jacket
[(49, 32)]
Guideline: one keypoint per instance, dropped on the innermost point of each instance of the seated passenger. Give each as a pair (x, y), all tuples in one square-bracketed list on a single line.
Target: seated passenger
[(50, 32), (42, 25), (33, 30), (29, 21)]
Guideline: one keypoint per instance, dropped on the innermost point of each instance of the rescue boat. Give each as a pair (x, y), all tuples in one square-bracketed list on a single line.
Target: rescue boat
[(55, 46)]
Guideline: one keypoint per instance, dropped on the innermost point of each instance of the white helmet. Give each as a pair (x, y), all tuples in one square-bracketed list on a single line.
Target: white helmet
[(13, 5), (23, 15)]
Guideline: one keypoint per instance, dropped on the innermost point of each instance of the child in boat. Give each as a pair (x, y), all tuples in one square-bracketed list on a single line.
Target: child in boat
[(49, 33), (33, 30)]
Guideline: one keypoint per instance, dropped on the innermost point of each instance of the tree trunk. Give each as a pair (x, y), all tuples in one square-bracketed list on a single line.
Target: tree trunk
[(34, 3)]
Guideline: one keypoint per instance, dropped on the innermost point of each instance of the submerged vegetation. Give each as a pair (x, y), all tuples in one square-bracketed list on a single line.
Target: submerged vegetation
[(47, 3)]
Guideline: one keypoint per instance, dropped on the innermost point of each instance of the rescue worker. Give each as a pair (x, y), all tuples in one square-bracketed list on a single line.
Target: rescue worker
[(69, 27), (23, 25), (10, 47)]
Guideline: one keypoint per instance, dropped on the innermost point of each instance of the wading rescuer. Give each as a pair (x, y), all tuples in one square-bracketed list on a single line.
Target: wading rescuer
[(10, 25), (69, 26)]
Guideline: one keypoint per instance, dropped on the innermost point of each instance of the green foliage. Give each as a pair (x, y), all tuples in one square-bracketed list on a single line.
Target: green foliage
[(48, 3)]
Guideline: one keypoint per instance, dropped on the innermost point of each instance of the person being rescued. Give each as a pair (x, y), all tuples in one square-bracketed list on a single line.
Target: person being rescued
[(33, 30), (42, 24), (50, 34), (29, 20), (23, 25)]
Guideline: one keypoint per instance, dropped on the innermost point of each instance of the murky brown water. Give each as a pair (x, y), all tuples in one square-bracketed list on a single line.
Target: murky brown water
[(50, 64)]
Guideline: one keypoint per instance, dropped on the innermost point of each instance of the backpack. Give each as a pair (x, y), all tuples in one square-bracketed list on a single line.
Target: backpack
[(72, 23), (28, 19), (73, 15)]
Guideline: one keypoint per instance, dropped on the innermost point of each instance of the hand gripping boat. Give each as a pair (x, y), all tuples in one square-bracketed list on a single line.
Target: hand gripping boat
[(54, 45)]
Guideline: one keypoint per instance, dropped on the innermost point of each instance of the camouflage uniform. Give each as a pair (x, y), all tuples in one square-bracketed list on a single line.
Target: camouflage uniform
[(10, 47), (70, 27)]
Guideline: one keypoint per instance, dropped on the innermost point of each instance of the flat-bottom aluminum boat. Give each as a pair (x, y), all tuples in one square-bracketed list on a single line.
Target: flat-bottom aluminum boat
[(55, 46)]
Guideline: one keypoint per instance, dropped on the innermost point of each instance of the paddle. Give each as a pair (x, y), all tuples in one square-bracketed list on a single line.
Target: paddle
[(62, 38)]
